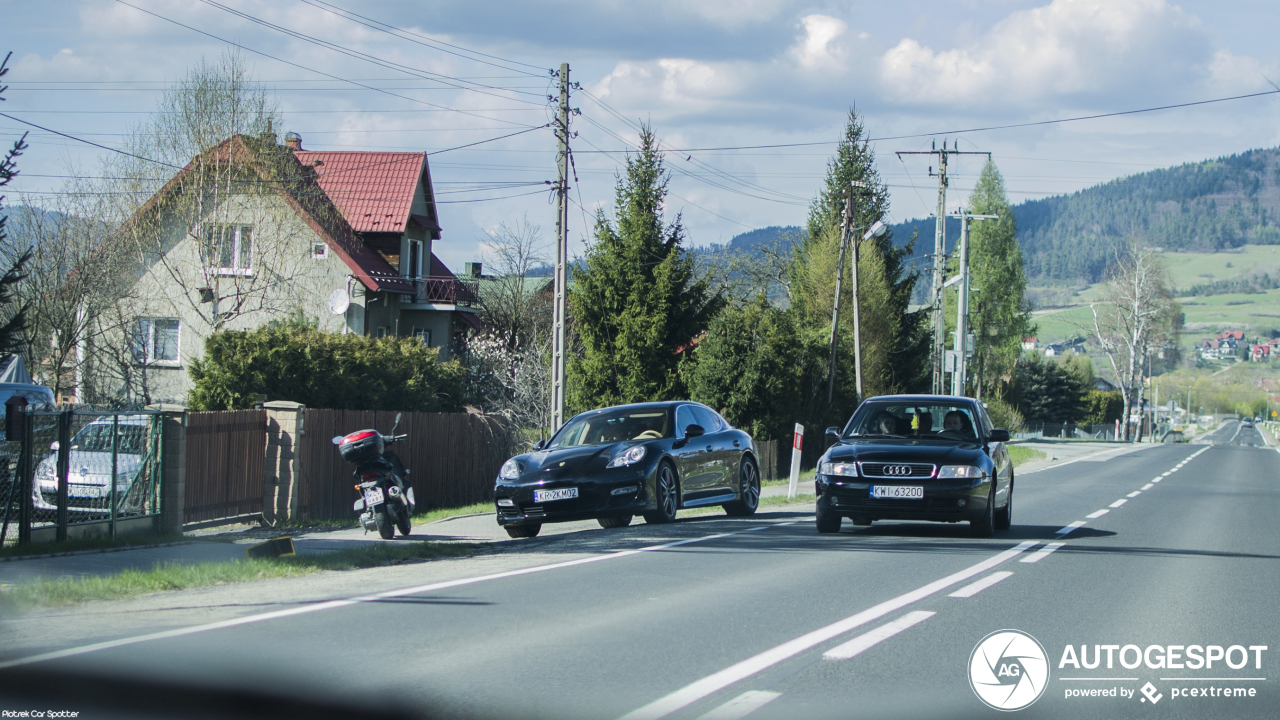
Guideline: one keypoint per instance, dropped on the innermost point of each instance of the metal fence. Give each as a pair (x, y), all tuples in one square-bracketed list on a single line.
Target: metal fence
[(77, 469), (1068, 431), (225, 473)]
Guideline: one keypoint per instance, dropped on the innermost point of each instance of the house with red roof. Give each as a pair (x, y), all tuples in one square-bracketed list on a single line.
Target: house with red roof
[(252, 231)]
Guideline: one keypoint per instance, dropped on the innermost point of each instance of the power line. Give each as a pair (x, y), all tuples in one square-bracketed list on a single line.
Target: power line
[(362, 55), (318, 72), (431, 43), (88, 142), (987, 128)]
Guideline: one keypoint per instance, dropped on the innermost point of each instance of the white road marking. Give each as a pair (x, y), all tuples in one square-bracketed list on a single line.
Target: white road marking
[(331, 604), (1097, 514), (1068, 462), (1071, 527), (1135, 493), (715, 682), (1148, 486), (742, 706), (1042, 553), (1239, 427), (868, 640), (1118, 503), (1156, 480), (986, 582), (1167, 474)]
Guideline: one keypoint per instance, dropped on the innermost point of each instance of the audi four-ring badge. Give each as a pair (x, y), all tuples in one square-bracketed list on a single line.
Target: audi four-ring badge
[(917, 457)]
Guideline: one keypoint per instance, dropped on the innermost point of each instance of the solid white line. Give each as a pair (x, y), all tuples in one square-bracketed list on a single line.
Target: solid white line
[(1042, 553), (1097, 514), (868, 640), (715, 682), (986, 582), (1108, 678), (1068, 462), (1148, 486), (1239, 427), (1135, 493), (1193, 679), (1118, 503), (331, 604), (1069, 528), (742, 706)]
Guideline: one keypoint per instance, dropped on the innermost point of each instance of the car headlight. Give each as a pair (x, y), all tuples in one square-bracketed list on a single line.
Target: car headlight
[(46, 474), (510, 470), (846, 469), (630, 456), (959, 471)]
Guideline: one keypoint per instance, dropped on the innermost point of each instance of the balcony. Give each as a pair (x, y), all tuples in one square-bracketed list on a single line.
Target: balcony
[(447, 290)]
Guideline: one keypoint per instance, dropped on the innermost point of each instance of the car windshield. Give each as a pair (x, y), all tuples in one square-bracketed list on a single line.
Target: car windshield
[(97, 438), (947, 421), (610, 426)]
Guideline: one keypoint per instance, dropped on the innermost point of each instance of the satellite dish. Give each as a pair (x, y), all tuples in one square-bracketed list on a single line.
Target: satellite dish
[(339, 301)]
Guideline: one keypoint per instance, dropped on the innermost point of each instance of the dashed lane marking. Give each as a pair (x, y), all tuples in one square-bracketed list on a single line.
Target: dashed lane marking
[(869, 640), (986, 582), (1042, 553), (1097, 514), (1071, 528), (742, 706), (1118, 503)]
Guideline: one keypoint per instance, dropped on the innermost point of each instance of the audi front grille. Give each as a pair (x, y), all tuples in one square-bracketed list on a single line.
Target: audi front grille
[(896, 471)]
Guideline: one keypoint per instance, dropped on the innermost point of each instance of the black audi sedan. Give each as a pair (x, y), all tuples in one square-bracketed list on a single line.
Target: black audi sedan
[(917, 457), (646, 459)]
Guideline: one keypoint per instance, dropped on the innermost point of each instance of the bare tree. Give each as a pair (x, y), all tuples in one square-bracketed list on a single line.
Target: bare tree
[(513, 302), (1138, 317)]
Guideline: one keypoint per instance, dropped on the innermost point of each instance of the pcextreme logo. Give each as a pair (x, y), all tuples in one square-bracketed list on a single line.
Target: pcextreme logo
[(1008, 670)]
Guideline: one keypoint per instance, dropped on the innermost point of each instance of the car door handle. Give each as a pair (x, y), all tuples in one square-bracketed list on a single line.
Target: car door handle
[(735, 443)]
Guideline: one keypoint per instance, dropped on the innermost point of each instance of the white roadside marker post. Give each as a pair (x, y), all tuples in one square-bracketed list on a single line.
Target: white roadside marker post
[(795, 462)]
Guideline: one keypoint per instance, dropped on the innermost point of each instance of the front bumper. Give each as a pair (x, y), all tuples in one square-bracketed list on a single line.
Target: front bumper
[(943, 502), (596, 498)]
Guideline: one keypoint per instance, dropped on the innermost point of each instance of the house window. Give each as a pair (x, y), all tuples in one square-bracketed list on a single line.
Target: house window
[(415, 259), (382, 331), (228, 249), (423, 335), (319, 251), (155, 341)]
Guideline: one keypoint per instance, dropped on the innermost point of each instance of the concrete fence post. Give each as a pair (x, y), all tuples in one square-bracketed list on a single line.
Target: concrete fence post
[(282, 489), (173, 470)]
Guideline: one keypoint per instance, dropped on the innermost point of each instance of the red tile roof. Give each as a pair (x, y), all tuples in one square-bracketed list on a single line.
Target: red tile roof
[(374, 190)]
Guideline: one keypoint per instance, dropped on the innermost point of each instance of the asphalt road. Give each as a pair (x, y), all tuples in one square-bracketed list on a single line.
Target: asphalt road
[(1165, 547)]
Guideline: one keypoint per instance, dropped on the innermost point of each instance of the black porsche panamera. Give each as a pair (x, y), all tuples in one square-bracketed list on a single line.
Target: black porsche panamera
[(917, 457), (611, 464)]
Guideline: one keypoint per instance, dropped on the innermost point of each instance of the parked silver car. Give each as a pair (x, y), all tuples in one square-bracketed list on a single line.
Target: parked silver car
[(89, 467)]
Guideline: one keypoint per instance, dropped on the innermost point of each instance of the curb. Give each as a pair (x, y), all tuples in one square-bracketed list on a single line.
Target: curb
[(45, 556)]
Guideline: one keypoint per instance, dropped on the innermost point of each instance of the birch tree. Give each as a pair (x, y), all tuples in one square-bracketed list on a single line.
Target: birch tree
[(1138, 315)]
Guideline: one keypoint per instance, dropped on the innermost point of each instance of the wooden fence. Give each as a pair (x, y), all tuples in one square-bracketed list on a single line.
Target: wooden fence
[(224, 464), (454, 458), (768, 451)]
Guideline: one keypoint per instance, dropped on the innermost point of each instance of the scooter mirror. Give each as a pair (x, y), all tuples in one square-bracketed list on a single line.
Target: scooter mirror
[(337, 439), (393, 427)]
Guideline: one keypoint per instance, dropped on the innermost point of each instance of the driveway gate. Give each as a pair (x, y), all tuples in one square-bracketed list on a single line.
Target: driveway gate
[(81, 473)]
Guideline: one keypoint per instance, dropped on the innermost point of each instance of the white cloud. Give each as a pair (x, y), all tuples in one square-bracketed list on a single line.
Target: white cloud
[(820, 31), (1067, 48)]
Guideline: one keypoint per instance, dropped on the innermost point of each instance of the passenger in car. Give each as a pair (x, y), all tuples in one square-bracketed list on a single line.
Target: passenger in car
[(958, 423), (887, 424)]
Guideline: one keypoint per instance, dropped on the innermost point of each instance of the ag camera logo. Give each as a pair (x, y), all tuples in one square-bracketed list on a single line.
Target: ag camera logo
[(1008, 670)]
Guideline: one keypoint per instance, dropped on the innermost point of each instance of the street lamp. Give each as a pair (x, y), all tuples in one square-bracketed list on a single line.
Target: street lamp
[(876, 230)]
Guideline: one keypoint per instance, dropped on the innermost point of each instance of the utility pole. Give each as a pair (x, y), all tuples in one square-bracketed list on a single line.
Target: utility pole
[(940, 254), (558, 350), (961, 345)]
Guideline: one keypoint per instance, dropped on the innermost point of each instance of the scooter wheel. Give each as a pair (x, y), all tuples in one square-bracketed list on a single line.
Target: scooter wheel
[(385, 528), (405, 523)]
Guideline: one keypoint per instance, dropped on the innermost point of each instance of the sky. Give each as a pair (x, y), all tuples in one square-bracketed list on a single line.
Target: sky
[(703, 73)]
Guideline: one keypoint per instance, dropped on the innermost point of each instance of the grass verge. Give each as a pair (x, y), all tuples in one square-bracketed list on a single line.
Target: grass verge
[(83, 544), (1020, 454), (131, 583), (421, 518)]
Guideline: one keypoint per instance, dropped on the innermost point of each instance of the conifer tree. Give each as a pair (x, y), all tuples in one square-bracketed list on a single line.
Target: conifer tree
[(995, 260), (12, 320), (894, 341), (635, 301)]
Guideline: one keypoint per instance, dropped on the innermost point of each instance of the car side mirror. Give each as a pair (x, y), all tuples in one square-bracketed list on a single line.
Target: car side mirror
[(693, 431), (833, 433), (538, 445), (998, 436)]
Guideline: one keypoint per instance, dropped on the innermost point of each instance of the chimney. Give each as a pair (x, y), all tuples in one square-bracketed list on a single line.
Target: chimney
[(293, 140)]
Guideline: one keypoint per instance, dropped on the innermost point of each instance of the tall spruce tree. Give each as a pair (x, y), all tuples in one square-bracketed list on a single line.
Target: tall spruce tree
[(894, 340), (636, 300), (995, 258)]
